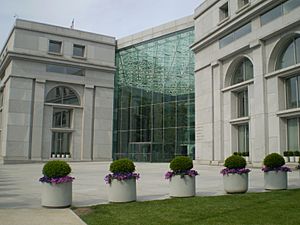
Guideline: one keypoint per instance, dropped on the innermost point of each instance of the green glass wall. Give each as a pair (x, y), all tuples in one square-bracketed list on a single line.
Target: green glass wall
[(154, 107)]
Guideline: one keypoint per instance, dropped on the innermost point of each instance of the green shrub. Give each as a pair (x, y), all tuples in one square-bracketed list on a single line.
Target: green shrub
[(181, 163), (286, 153), (237, 153), (290, 153), (296, 153), (245, 153), (235, 162), (56, 168), (274, 160), (122, 166)]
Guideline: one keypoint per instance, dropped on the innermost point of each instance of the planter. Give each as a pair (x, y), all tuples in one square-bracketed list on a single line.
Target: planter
[(296, 159), (235, 183), (57, 195), (292, 159), (182, 186), (122, 191), (275, 180), (286, 159)]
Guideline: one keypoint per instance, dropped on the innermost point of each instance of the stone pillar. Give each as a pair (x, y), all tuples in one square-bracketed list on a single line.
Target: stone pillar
[(87, 123), (37, 120)]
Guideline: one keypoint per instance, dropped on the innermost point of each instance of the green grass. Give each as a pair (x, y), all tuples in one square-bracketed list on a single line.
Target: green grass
[(271, 208)]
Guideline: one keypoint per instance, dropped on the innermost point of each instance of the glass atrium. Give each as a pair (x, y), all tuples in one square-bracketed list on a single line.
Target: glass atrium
[(154, 106)]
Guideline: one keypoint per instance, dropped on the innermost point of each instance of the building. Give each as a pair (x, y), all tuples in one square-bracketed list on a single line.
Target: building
[(247, 64), (154, 93), (56, 94)]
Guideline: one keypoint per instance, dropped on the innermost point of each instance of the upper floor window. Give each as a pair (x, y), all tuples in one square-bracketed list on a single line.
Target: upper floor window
[(278, 11), (238, 33), (65, 69), (242, 103), (62, 95), (243, 72), (78, 50), (290, 55), (242, 3), (55, 47), (292, 92), (224, 13)]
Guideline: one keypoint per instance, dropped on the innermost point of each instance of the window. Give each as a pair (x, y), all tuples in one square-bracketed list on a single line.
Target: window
[(55, 47), (243, 72), (62, 95), (65, 69), (224, 11), (279, 11), (293, 92), (243, 138), (78, 50), (240, 32), (61, 118), (242, 103), (290, 55), (293, 134), (242, 3), (60, 144)]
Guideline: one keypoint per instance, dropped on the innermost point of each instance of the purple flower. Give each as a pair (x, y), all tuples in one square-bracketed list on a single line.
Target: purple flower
[(120, 176), (281, 168), (56, 180), (227, 171), (191, 173)]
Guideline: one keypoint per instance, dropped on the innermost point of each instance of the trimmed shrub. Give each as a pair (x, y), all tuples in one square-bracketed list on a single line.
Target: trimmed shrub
[(122, 166), (238, 153), (286, 153), (274, 160), (290, 153), (245, 153), (235, 162), (181, 163), (296, 153), (56, 168)]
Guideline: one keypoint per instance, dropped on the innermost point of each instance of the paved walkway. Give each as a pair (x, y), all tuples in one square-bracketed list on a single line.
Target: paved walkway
[(21, 191)]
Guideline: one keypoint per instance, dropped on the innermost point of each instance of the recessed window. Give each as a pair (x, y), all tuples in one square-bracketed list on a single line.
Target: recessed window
[(55, 47), (292, 92), (238, 33), (78, 50), (223, 11), (243, 72), (242, 3), (243, 138), (293, 134), (242, 103), (62, 95), (61, 118), (65, 69), (290, 55)]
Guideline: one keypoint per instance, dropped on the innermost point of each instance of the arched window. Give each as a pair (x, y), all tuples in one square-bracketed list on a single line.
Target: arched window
[(62, 95), (290, 55), (243, 72)]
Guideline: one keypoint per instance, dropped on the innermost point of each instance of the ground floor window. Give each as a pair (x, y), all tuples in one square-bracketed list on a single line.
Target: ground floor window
[(243, 138), (61, 144), (293, 134)]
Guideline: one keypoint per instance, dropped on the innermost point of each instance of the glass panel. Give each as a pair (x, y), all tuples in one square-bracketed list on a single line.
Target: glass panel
[(75, 71), (226, 40), (246, 29), (65, 70), (54, 68), (291, 93), (292, 133), (297, 41), (243, 138), (60, 142), (182, 114), (169, 114), (135, 121), (288, 57), (126, 95), (124, 119), (290, 5), (146, 117), (243, 72), (271, 15), (242, 103), (78, 50), (248, 69), (238, 76), (158, 135), (55, 46), (169, 135)]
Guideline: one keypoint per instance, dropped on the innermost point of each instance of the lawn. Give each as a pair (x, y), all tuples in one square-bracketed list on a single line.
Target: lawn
[(269, 208)]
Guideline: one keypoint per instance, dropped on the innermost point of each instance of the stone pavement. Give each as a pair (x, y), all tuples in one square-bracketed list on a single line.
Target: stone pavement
[(21, 191)]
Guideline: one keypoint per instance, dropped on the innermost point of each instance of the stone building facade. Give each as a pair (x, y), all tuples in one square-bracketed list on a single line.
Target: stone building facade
[(56, 94), (247, 64)]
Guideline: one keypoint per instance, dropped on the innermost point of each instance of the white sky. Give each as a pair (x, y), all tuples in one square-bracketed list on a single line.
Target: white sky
[(117, 18)]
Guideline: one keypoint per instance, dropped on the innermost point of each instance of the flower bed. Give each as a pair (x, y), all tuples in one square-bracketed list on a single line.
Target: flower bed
[(120, 176)]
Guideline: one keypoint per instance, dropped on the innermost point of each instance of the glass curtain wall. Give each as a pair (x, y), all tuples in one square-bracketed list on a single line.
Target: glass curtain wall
[(154, 116)]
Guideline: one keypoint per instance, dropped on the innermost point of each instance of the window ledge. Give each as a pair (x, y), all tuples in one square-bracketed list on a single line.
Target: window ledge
[(55, 53), (223, 20), (240, 120), (79, 57), (284, 72), (62, 129), (243, 7), (63, 105), (238, 86), (288, 113)]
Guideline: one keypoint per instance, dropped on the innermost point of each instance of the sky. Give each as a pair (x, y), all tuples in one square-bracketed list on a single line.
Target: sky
[(117, 18)]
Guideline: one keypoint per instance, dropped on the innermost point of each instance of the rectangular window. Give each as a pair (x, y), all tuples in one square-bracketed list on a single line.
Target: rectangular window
[(65, 69), (242, 105), (290, 5), (293, 92), (224, 11), (240, 32), (55, 47), (242, 3), (78, 50), (61, 118), (243, 138), (61, 143), (292, 134)]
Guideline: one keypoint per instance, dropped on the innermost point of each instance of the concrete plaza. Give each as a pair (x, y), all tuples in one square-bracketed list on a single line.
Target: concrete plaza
[(20, 190)]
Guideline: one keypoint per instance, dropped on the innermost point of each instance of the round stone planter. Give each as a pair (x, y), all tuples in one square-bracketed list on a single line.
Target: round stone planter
[(182, 186), (57, 195), (122, 191), (275, 180), (235, 183)]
